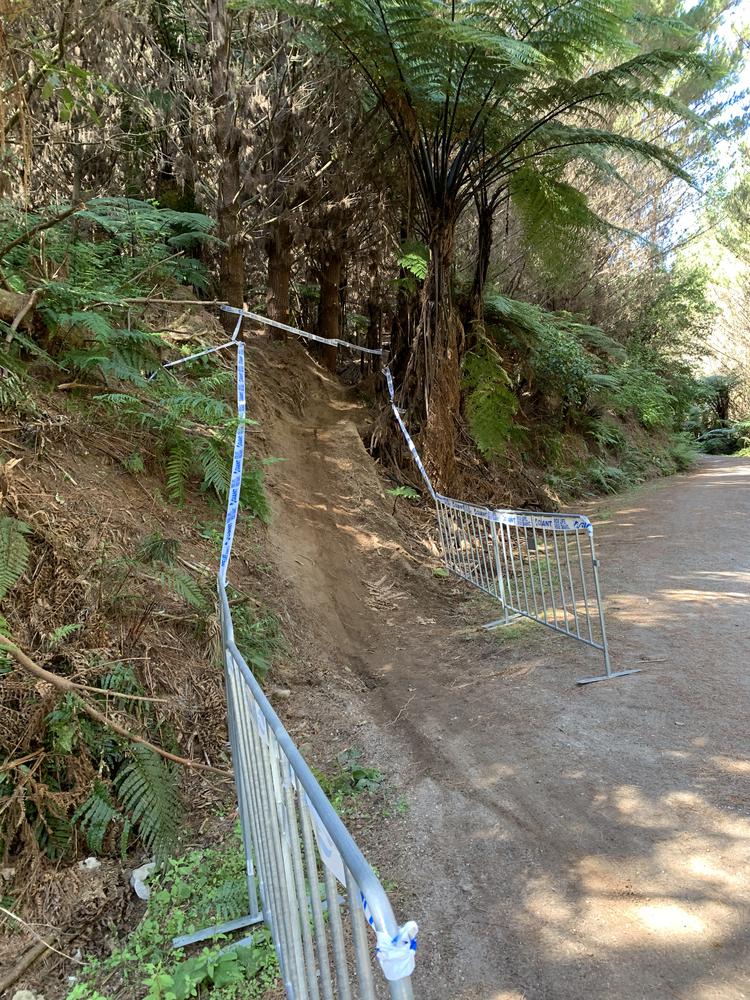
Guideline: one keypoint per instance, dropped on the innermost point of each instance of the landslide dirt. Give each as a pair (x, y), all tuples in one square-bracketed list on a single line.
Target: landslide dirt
[(560, 842)]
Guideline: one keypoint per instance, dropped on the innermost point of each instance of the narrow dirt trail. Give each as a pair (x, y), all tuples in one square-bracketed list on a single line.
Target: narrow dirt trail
[(560, 842)]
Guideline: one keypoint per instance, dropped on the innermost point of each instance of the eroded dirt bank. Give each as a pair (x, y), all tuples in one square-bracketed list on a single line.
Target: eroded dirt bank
[(560, 842)]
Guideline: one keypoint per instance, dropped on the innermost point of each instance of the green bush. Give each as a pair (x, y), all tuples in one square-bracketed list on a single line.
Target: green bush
[(643, 392)]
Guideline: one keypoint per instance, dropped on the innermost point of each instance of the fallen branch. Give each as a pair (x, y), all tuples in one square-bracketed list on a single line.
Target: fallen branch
[(40, 226), (63, 684), (20, 316), (24, 963)]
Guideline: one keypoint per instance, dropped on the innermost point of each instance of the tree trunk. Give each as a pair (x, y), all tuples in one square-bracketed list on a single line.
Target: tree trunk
[(330, 306), (372, 337), (484, 249), (431, 381), (228, 142), (278, 247)]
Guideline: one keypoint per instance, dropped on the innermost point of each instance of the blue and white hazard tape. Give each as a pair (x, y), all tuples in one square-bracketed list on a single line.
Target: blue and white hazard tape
[(333, 342), (407, 436), (397, 954), (235, 484)]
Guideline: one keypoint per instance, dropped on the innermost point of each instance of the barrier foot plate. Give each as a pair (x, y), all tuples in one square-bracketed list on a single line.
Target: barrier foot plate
[(209, 932), (608, 677), (502, 621)]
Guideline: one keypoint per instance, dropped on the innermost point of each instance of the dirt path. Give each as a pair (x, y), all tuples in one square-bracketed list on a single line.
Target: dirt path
[(560, 842)]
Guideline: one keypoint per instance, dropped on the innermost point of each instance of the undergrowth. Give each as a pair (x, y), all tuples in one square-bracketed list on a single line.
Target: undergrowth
[(91, 332), (203, 887), (546, 390)]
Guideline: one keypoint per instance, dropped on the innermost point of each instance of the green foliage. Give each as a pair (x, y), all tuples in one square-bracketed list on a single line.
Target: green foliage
[(348, 778), (258, 635), (205, 886), (156, 548), (414, 257), (193, 431), (183, 585), (58, 635), (146, 785), (644, 393), (14, 552), (406, 492), (96, 816), (679, 317), (134, 794), (13, 386), (729, 440), (562, 361), (117, 249), (491, 404), (155, 560)]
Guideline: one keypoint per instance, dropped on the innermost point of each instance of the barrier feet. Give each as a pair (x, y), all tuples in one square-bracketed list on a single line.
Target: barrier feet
[(502, 621), (210, 932), (608, 677)]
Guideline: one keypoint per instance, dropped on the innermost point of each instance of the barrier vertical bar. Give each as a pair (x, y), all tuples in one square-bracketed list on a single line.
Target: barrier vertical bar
[(608, 673)]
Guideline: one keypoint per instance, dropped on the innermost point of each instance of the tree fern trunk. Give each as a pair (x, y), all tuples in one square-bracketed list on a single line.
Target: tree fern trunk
[(431, 378), (330, 305), (278, 248), (481, 268)]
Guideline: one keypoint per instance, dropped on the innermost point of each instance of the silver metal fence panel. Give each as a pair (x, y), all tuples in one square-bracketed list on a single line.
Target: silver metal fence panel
[(294, 832)]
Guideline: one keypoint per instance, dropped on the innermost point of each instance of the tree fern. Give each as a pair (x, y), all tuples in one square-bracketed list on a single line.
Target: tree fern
[(96, 816), (183, 585), (179, 463), (491, 404), (147, 790), (215, 466), (14, 552), (156, 548)]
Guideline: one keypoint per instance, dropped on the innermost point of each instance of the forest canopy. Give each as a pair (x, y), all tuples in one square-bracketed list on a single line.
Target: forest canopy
[(522, 201)]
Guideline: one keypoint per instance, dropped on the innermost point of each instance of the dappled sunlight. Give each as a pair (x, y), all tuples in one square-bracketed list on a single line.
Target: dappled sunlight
[(669, 919), (730, 765)]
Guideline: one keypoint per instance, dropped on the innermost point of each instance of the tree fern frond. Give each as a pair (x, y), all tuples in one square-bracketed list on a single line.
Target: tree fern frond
[(14, 552), (183, 585), (94, 322), (215, 466), (96, 815), (179, 462), (147, 789)]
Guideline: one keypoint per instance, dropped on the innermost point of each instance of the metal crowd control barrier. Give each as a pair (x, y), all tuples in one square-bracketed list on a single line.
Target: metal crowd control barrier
[(542, 567), (539, 566), (292, 835)]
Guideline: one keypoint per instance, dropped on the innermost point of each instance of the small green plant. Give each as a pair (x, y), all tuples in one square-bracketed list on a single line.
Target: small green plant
[(349, 777), (406, 492), (61, 633), (257, 634), (14, 552)]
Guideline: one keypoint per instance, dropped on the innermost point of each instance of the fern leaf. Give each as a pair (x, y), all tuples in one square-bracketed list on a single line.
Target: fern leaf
[(147, 790), (184, 586), (14, 552), (178, 468), (96, 815), (215, 467)]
